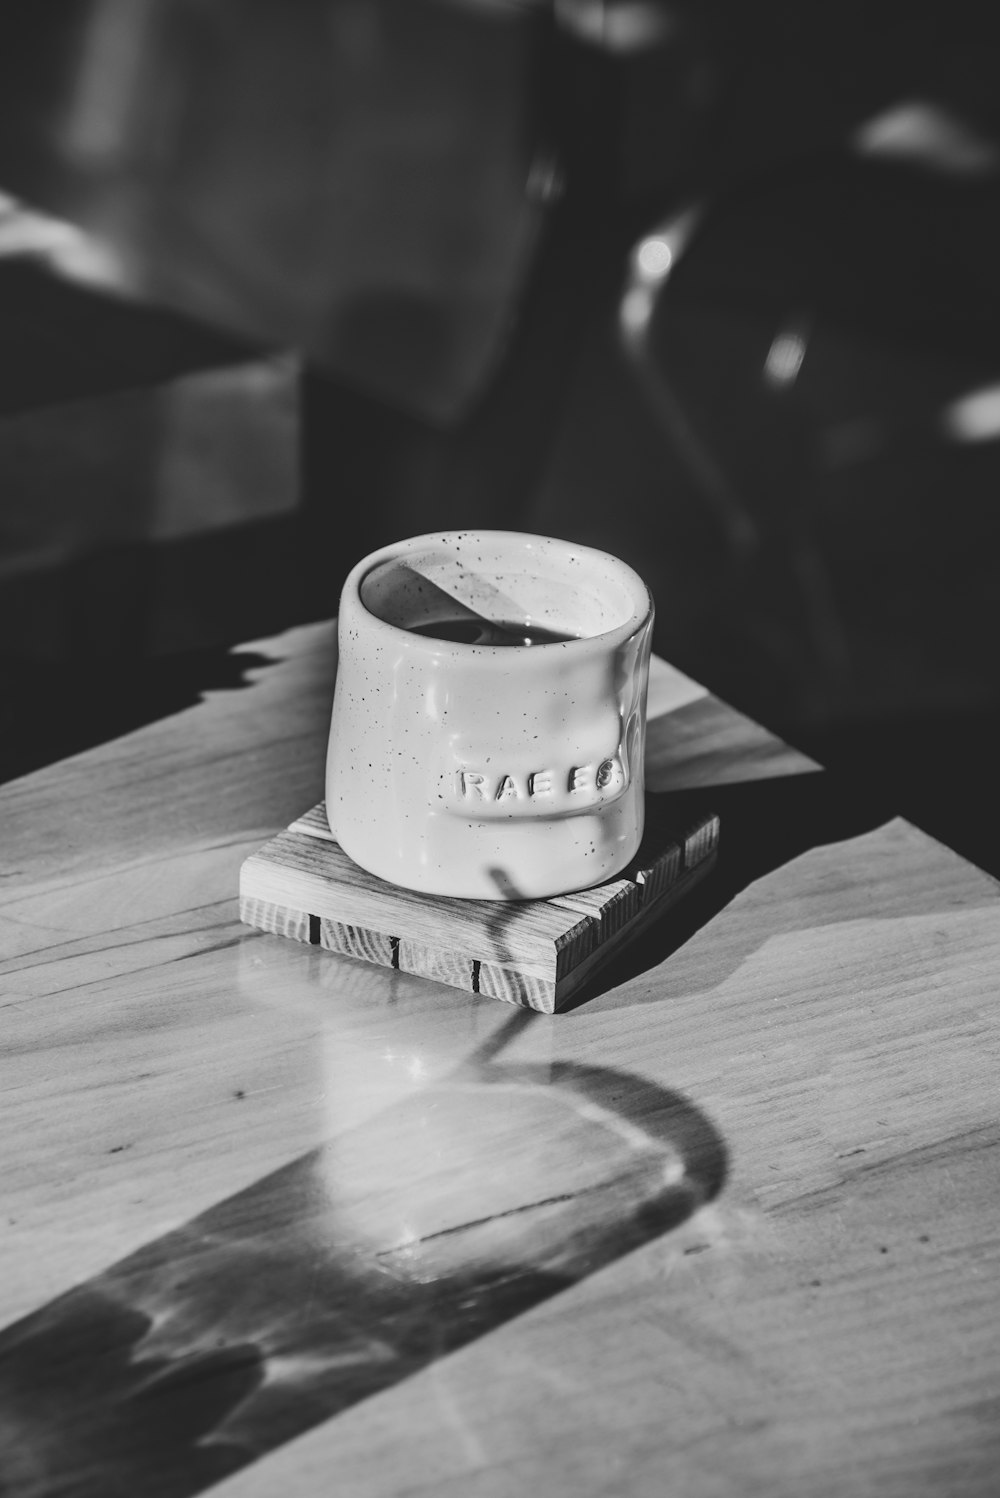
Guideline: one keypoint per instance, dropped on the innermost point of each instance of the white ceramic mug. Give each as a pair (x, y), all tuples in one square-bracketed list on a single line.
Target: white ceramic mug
[(478, 767)]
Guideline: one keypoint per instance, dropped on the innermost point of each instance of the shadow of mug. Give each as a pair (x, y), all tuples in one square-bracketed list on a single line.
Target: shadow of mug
[(345, 1272)]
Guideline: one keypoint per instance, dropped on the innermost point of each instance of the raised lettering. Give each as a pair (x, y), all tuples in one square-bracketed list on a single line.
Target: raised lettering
[(609, 772), (579, 778), (588, 783), (472, 784)]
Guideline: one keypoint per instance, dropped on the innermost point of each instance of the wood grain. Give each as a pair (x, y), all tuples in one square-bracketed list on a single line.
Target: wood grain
[(817, 1317), (533, 952)]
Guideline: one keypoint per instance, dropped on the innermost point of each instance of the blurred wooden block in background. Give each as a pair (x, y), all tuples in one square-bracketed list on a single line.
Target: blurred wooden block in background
[(126, 434), (536, 953)]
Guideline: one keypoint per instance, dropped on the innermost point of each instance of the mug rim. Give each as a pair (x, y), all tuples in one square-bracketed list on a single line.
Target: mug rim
[(460, 650)]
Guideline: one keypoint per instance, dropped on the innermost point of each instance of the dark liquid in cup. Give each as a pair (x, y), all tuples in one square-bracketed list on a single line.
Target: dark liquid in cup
[(489, 632)]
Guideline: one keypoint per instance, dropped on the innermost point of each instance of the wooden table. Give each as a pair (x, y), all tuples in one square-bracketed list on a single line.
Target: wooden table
[(301, 1225)]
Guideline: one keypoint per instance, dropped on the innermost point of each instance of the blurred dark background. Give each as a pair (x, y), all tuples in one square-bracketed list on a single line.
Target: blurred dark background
[(710, 285)]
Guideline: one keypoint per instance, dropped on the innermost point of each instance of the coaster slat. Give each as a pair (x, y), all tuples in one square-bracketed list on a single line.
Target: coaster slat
[(357, 941), (454, 968), (534, 952)]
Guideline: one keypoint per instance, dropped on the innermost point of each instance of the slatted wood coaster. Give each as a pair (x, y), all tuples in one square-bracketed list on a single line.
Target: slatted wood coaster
[(536, 953)]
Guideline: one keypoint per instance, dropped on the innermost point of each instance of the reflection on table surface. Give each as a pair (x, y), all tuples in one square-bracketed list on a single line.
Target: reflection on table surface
[(283, 1219)]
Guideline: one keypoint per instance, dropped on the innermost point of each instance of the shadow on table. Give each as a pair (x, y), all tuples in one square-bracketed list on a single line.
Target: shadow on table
[(345, 1272), (50, 711), (764, 825)]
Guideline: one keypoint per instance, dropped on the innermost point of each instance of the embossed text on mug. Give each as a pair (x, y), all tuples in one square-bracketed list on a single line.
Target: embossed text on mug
[(485, 793)]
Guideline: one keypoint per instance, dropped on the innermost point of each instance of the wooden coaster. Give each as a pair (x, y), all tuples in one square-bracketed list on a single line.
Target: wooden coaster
[(533, 952)]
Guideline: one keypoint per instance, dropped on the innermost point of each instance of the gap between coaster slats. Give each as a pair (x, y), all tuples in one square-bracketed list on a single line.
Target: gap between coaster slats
[(536, 953)]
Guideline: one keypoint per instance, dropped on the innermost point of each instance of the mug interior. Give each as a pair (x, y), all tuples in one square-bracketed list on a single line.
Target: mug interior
[(505, 579)]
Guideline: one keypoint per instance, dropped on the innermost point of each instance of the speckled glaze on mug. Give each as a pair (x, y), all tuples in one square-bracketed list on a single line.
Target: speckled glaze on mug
[(481, 770)]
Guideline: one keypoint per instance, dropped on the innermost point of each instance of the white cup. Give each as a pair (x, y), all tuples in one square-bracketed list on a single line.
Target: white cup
[(481, 769)]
